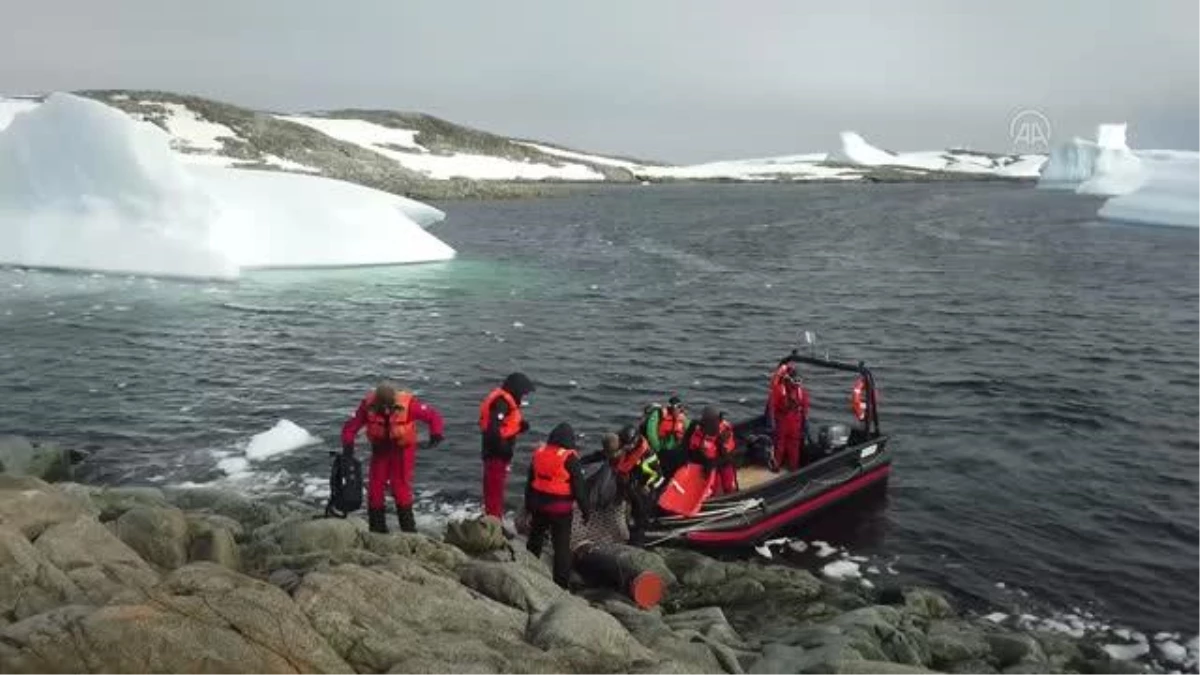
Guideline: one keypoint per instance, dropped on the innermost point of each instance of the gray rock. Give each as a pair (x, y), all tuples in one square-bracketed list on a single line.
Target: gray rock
[(694, 569), (1028, 668), (251, 513), (285, 579), (881, 667), (777, 658), (1108, 666), (401, 613), (99, 563), (927, 604), (202, 619), (599, 638), (416, 546), (303, 535), (477, 535), (199, 523), (516, 552), (1010, 648), (29, 583), (217, 546), (952, 641), (512, 584), (973, 667), (711, 623), (686, 650), (21, 457), (115, 501), (159, 535), (880, 633), (30, 505)]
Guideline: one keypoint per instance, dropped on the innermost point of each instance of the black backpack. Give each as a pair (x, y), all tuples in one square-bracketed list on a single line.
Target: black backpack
[(345, 486), (602, 489)]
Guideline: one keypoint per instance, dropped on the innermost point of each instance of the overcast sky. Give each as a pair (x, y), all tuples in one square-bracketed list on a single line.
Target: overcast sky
[(684, 80)]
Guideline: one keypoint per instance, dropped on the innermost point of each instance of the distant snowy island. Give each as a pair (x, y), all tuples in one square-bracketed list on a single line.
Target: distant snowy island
[(164, 185), (426, 157)]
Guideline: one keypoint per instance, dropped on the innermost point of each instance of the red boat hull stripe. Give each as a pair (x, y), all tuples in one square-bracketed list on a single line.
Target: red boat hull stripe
[(767, 524)]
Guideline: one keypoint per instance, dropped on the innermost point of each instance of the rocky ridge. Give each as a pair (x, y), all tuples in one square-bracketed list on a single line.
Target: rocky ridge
[(202, 580)]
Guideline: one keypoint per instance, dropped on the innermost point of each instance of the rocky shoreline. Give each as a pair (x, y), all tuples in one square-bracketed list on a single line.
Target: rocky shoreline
[(142, 579)]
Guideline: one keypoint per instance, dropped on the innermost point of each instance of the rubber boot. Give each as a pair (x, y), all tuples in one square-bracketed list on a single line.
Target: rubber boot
[(377, 520), (407, 522)]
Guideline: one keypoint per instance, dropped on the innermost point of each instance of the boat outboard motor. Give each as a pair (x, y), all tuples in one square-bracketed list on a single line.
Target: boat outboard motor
[(833, 437)]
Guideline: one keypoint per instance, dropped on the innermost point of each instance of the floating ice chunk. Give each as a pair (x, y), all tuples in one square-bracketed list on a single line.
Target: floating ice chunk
[(285, 436), (764, 551), (872, 570), (824, 550), (1123, 633), (1000, 584), (858, 558), (798, 546), (572, 383), (867, 583), (841, 569), (518, 324), (996, 617), (233, 466), (1127, 652), (1173, 651)]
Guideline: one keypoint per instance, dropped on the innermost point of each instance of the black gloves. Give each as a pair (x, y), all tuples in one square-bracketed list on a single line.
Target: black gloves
[(347, 448), (435, 440), (524, 426)]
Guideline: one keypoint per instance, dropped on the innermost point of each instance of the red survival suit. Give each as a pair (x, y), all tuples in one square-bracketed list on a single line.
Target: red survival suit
[(714, 452), (787, 405), (392, 432), (500, 422)]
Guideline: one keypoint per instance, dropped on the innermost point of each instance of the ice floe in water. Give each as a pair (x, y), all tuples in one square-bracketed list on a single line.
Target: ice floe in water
[(284, 437), (841, 569)]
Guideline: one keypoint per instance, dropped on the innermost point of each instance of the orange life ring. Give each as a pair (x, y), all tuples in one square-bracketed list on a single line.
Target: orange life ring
[(858, 399)]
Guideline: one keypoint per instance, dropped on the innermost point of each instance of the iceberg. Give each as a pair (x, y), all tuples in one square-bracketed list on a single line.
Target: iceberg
[(269, 219), (1103, 167), (84, 186), (1170, 194)]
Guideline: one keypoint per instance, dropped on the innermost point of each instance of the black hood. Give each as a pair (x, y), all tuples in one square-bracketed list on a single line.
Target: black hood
[(562, 435), (518, 385)]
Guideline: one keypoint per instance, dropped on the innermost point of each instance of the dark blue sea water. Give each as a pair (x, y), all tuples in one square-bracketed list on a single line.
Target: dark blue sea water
[(1039, 369)]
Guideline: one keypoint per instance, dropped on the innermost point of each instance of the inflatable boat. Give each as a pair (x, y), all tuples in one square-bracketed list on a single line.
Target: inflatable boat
[(840, 462)]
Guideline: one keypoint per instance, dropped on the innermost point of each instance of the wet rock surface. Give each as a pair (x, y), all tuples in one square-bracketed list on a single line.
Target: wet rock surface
[(144, 580)]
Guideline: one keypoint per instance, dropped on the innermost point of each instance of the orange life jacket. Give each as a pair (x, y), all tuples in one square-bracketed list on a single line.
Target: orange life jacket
[(670, 424), (550, 475), (395, 425), (714, 446), (858, 399), (632, 457), (511, 425)]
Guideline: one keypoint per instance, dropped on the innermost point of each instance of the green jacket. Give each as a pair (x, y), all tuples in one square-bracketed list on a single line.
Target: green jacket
[(658, 444)]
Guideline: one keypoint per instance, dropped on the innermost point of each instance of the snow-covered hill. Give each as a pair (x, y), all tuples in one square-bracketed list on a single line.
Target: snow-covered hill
[(426, 157)]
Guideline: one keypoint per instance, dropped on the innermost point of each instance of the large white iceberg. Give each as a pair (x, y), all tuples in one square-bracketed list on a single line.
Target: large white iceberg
[(1105, 166), (85, 186), (1170, 194)]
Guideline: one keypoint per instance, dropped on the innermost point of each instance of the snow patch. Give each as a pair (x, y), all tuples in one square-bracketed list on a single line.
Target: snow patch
[(284, 437), (1127, 652), (189, 130), (383, 140)]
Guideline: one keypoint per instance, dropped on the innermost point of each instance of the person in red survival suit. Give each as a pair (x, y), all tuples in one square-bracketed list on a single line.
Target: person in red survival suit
[(390, 417), (787, 408), (500, 422), (555, 484), (710, 443)]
